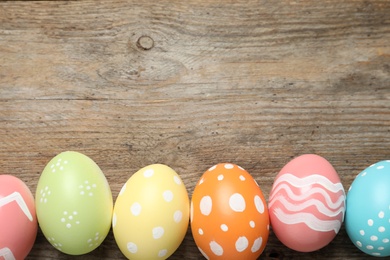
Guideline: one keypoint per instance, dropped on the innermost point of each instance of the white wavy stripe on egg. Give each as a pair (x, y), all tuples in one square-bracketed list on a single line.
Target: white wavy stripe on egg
[(303, 201), (292, 195), (305, 204), (309, 219), (285, 181), (310, 180)]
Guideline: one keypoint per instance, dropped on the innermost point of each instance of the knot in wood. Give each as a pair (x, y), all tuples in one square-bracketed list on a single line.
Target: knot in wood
[(145, 43)]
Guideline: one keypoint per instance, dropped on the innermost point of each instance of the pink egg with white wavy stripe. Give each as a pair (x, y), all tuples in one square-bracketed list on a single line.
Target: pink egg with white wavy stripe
[(307, 203)]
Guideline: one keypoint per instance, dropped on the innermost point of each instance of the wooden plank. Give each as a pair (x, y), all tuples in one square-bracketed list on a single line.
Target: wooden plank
[(191, 84)]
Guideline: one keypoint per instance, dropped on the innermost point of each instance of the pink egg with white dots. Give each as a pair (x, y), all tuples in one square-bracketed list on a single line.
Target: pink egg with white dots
[(229, 217)]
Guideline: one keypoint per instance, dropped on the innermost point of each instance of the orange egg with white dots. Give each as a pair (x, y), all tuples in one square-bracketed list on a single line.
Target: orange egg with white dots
[(229, 215)]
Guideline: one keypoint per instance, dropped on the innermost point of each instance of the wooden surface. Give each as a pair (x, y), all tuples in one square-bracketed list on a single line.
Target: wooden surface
[(191, 84)]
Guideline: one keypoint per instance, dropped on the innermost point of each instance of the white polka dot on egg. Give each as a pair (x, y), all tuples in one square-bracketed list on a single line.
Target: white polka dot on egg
[(136, 208), (237, 202), (212, 168), (168, 196), (177, 216), (162, 253), (148, 173), (224, 228), (241, 244), (259, 204), (216, 248), (132, 247), (229, 166), (257, 244), (157, 232), (206, 205), (252, 224)]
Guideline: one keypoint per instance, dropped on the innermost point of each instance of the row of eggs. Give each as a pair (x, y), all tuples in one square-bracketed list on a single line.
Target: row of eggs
[(228, 214)]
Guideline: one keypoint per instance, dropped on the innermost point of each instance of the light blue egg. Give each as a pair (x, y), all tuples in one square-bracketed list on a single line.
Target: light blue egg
[(367, 219)]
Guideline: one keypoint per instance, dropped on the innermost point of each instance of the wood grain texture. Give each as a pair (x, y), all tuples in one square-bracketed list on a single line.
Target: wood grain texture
[(191, 84)]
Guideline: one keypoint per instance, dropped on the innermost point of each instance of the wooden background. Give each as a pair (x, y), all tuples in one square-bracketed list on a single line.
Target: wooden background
[(191, 84)]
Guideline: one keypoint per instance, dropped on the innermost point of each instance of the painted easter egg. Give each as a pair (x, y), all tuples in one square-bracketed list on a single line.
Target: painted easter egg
[(18, 222), (229, 216), (74, 203), (307, 203), (367, 220), (151, 213)]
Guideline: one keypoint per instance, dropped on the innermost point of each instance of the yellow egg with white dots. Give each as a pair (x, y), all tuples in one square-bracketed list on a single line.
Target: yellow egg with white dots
[(151, 213)]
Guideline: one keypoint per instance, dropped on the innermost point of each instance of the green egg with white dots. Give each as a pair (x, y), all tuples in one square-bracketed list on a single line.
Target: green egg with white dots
[(73, 203)]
